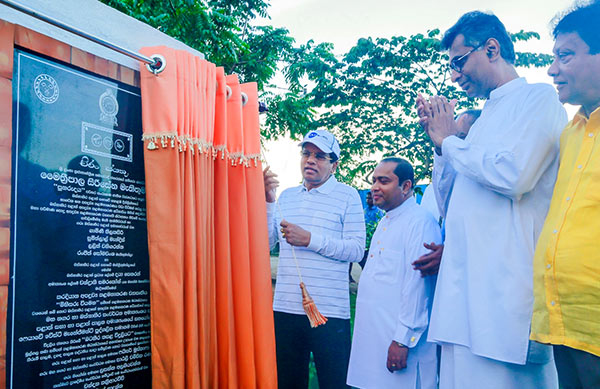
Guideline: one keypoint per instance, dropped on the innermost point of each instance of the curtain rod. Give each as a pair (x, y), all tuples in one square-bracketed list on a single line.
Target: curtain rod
[(155, 64)]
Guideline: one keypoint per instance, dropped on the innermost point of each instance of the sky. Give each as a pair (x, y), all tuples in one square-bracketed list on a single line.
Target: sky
[(343, 22)]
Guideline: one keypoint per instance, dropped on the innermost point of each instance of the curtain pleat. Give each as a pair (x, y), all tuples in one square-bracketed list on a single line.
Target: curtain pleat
[(238, 230), (225, 319), (260, 271), (211, 315), (165, 240)]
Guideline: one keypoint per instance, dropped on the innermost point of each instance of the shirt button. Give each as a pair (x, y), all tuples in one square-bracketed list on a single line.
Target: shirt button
[(378, 242), (568, 198), (548, 266), (555, 231), (552, 303), (384, 228), (591, 135), (382, 249), (579, 167), (371, 255), (412, 339)]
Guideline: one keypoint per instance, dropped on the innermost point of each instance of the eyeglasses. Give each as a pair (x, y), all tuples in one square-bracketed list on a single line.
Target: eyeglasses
[(318, 156), (457, 63)]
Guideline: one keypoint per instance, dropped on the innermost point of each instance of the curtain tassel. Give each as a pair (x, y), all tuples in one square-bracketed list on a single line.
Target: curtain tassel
[(314, 316)]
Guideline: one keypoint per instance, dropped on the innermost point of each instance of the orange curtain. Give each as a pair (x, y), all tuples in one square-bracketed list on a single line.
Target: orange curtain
[(225, 329), (260, 269), (211, 316)]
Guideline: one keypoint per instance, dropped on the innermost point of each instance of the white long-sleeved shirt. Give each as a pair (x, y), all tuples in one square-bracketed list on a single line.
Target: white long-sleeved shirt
[(393, 302), (494, 189), (333, 214)]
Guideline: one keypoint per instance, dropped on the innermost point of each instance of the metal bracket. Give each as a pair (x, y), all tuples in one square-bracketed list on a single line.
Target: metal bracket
[(158, 65)]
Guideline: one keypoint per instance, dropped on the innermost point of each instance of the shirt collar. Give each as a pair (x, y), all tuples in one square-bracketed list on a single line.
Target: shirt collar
[(399, 210), (507, 88), (580, 116), (326, 188)]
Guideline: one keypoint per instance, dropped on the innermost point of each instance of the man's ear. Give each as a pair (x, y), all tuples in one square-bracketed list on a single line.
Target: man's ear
[(406, 186), (492, 49), (334, 166)]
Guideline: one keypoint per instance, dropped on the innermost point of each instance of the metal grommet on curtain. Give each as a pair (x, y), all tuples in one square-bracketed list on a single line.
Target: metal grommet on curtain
[(159, 64), (244, 99), (228, 91)]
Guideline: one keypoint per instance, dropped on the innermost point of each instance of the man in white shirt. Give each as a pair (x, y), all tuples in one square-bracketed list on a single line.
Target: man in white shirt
[(500, 178), (429, 263), (389, 345), (323, 220)]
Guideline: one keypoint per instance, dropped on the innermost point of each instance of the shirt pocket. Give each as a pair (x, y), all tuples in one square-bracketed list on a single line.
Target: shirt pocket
[(387, 265)]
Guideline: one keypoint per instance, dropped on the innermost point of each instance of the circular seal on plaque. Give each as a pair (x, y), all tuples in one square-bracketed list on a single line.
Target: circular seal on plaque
[(46, 88), (119, 145), (107, 143), (97, 140), (108, 104)]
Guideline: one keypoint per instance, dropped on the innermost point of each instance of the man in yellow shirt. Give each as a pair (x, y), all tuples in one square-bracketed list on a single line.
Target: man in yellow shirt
[(566, 310)]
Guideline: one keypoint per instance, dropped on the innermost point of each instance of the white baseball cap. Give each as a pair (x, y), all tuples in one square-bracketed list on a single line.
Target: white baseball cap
[(324, 140)]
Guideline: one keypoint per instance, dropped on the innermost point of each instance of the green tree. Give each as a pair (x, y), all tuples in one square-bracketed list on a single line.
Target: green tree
[(366, 96), (222, 30)]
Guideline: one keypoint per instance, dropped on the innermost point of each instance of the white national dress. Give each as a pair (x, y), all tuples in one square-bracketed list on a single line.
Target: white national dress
[(494, 189), (393, 303)]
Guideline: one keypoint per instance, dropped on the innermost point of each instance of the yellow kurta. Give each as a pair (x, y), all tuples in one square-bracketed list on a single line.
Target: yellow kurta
[(566, 308)]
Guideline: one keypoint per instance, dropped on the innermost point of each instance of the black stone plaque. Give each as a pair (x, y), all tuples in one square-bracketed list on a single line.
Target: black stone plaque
[(79, 295)]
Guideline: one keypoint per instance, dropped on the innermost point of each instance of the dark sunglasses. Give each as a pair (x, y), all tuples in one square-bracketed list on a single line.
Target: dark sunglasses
[(457, 63)]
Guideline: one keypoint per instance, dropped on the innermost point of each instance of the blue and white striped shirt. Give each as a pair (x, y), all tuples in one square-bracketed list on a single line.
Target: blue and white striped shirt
[(334, 216)]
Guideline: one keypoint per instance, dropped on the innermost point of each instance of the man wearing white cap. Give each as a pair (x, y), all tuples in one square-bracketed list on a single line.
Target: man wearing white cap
[(323, 220)]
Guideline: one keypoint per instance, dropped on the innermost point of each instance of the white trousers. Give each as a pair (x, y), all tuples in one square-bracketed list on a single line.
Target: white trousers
[(461, 369)]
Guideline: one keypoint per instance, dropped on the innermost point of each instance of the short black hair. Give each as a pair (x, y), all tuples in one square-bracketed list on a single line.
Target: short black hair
[(474, 113), (477, 27), (403, 170), (584, 19)]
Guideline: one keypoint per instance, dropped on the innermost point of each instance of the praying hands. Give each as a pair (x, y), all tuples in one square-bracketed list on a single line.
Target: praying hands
[(436, 116)]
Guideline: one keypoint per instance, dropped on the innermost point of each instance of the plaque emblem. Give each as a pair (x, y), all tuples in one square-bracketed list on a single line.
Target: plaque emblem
[(46, 88), (106, 142), (109, 108)]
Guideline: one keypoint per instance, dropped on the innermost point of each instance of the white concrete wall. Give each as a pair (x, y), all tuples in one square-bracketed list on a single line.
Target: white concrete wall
[(96, 19)]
